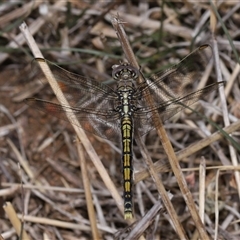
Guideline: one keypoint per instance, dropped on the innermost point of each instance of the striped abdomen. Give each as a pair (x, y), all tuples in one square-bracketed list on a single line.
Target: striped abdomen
[(127, 132)]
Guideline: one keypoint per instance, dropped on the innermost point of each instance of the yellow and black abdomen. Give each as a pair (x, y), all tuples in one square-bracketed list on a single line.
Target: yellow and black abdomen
[(127, 133)]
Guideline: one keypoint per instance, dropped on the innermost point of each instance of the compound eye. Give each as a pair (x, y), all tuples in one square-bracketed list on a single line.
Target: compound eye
[(120, 70), (116, 75), (117, 71), (133, 74)]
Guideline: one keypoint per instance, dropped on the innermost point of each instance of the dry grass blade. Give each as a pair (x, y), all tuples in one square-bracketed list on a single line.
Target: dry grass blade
[(87, 188), (202, 179), (9, 210), (162, 191)]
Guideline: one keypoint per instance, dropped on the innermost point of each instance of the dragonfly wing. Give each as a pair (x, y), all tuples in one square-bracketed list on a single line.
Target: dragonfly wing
[(172, 90), (76, 88), (101, 122), (180, 79), (92, 102), (146, 120)]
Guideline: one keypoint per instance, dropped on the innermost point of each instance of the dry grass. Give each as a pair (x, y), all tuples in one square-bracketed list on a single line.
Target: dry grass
[(63, 191)]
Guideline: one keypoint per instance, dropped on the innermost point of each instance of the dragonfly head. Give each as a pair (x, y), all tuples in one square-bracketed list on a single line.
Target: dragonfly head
[(124, 72)]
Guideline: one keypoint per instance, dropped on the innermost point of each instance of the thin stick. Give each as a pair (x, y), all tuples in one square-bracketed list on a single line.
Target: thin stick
[(202, 180), (65, 224), (145, 222), (88, 195), (11, 213), (167, 147), (161, 189), (79, 131), (216, 206)]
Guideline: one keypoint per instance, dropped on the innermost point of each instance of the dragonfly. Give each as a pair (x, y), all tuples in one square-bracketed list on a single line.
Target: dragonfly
[(116, 113)]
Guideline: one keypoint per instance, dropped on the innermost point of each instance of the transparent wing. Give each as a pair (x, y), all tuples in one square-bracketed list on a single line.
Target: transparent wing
[(92, 102), (145, 120), (104, 123), (172, 90), (78, 90)]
